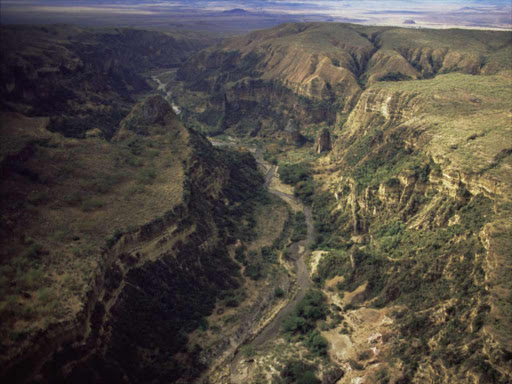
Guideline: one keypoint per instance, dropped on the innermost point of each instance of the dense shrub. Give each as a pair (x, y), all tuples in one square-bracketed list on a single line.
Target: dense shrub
[(278, 292), (299, 230), (394, 76), (302, 322), (253, 271), (298, 372), (294, 173), (317, 343)]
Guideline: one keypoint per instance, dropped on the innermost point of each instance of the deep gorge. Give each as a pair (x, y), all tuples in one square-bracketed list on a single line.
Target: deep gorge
[(134, 250)]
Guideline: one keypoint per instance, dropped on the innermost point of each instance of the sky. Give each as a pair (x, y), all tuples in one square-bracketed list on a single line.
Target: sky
[(434, 13)]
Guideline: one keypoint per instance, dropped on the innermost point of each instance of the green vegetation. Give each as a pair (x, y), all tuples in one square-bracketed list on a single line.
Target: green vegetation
[(294, 173), (297, 372), (402, 266), (298, 175), (422, 253), (299, 229), (332, 229), (301, 324), (92, 204), (146, 175), (382, 376), (394, 76)]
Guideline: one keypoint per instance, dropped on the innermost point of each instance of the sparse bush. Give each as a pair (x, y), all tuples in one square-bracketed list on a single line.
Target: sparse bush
[(146, 176), (248, 350), (38, 197), (45, 295), (92, 204), (133, 161), (33, 251), (152, 153), (252, 255), (253, 271), (382, 376), (70, 282), (31, 279), (365, 355), (73, 198), (112, 240), (355, 365), (240, 254)]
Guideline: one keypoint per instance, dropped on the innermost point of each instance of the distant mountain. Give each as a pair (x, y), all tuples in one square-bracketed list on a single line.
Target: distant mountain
[(237, 11)]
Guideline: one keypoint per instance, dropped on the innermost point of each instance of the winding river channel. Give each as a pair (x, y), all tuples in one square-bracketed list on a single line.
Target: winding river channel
[(167, 93), (298, 252)]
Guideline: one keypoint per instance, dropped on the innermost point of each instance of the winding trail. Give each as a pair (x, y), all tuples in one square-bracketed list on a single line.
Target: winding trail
[(297, 251)]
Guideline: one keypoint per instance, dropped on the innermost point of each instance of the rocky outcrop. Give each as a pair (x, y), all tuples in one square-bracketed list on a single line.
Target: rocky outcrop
[(154, 116), (332, 376), (323, 141), (292, 134)]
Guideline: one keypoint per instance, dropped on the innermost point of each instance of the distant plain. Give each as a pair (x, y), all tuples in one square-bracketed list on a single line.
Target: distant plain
[(235, 17)]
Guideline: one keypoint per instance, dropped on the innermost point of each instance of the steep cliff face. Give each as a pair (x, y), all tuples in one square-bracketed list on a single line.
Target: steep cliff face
[(117, 310), (323, 141), (315, 73), (418, 196)]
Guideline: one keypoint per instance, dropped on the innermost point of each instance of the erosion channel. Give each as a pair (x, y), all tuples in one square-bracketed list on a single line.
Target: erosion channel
[(297, 251)]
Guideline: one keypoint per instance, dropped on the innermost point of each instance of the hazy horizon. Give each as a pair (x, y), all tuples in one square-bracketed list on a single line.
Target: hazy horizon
[(486, 14)]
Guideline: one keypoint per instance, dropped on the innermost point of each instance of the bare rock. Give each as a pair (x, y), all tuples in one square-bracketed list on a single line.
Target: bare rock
[(292, 134), (332, 376), (149, 117), (95, 132), (323, 141)]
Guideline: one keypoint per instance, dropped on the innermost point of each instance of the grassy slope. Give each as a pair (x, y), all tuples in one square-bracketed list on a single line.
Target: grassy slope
[(63, 202), (406, 155), (66, 202), (468, 118)]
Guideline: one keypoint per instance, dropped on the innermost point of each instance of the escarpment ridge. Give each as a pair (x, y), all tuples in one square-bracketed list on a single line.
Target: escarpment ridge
[(314, 73)]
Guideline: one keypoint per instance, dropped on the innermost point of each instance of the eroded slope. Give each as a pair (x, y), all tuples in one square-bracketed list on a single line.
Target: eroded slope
[(420, 195), (113, 251), (295, 76)]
